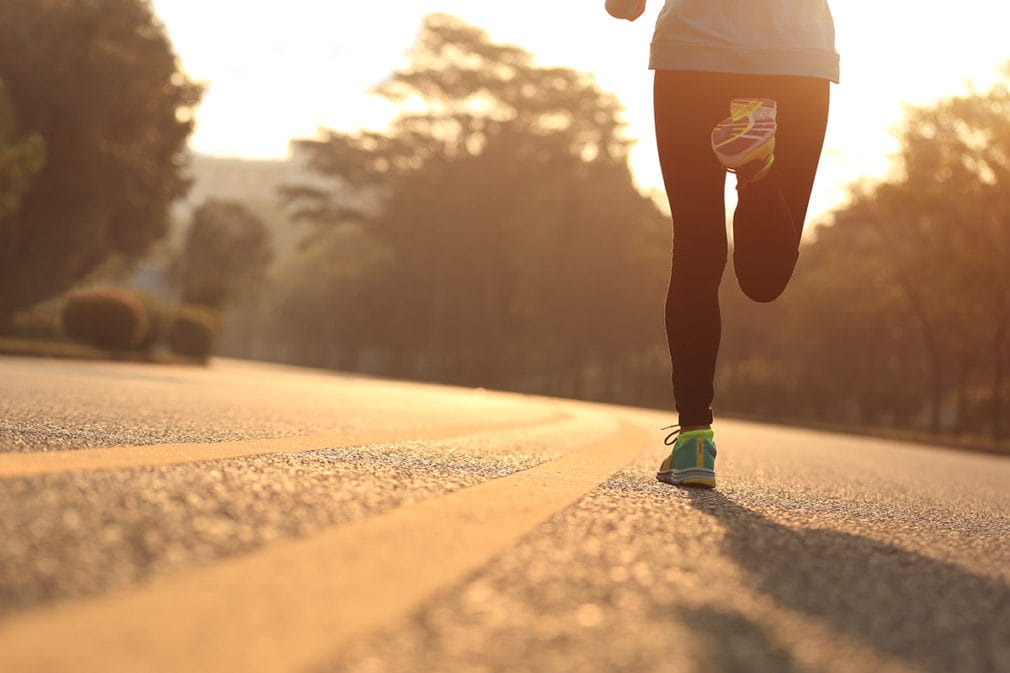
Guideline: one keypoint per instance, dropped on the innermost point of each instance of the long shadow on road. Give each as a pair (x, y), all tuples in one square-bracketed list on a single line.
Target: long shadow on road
[(735, 644), (934, 615)]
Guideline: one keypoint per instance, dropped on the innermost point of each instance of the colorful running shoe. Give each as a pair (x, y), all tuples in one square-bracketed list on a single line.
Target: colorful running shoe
[(692, 460), (744, 142)]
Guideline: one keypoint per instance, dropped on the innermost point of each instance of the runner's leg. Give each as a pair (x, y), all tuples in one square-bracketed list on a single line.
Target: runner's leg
[(687, 106), (770, 213)]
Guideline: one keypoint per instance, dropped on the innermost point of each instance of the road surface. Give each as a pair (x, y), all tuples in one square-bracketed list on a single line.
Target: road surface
[(250, 518)]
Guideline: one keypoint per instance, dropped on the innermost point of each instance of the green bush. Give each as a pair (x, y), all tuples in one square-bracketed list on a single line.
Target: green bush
[(105, 317), (192, 332)]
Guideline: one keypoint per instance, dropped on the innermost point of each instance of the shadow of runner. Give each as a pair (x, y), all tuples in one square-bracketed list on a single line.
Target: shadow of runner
[(734, 644), (932, 614)]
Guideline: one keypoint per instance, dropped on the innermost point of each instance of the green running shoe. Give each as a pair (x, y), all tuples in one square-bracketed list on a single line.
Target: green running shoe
[(692, 460)]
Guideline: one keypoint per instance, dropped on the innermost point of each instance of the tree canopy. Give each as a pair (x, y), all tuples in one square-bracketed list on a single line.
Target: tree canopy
[(99, 83), (515, 241)]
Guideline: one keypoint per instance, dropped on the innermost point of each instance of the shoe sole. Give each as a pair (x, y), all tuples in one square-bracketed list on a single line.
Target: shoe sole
[(691, 476), (750, 136)]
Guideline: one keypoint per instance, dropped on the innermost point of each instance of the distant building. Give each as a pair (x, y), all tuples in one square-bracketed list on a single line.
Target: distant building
[(247, 180), (234, 179), (254, 183)]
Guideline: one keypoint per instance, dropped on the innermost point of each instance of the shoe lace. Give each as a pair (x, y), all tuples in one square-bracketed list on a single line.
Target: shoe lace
[(671, 438)]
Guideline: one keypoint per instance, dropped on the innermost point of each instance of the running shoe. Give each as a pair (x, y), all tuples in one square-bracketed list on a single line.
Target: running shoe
[(691, 461), (744, 142)]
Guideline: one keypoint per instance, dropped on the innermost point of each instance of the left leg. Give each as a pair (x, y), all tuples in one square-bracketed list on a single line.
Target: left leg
[(770, 213)]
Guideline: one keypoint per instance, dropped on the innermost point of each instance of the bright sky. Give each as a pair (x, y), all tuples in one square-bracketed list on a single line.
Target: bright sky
[(277, 70)]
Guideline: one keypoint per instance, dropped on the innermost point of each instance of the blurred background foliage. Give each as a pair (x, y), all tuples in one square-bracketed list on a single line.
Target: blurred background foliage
[(494, 236), (224, 257), (98, 85)]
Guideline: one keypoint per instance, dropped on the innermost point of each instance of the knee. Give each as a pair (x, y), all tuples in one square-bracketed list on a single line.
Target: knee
[(765, 282), (699, 268), (762, 292)]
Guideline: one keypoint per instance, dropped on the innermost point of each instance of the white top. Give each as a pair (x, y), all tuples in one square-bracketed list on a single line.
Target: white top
[(761, 37)]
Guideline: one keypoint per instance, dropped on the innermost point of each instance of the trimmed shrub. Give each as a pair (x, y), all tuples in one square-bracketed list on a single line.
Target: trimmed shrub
[(192, 332), (105, 317)]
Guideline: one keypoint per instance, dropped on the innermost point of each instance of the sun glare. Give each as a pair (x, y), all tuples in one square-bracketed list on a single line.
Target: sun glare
[(318, 62)]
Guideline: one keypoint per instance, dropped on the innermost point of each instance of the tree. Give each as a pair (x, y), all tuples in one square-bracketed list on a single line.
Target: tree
[(98, 81), (944, 222), (957, 164), (503, 197), (225, 255)]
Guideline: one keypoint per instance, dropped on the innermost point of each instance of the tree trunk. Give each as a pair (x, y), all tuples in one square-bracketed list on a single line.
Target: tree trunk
[(962, 394), (935, 384), (998, 378)]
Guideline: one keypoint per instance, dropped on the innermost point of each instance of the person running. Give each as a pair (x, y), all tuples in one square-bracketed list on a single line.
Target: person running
[(768, 64)]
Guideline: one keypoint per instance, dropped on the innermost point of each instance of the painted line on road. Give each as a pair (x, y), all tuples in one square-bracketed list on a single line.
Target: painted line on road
[(293, 605), (109, 458)]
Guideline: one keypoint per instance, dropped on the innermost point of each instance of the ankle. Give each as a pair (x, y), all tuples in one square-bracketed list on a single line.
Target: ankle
[(754, 172), (689, 428)]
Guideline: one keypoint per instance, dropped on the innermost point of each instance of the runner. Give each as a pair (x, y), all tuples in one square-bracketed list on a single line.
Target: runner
[(768, 65)]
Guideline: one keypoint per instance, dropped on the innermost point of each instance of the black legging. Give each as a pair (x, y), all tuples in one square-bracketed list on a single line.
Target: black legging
[(766, 226)]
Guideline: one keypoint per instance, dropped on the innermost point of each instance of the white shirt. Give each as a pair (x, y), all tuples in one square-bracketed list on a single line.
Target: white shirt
[(765, 37)]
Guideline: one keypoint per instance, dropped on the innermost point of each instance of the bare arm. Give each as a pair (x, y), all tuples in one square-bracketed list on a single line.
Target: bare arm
[(625, 9)]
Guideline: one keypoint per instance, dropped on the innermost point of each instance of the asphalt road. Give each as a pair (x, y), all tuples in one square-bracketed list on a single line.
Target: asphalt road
[(260, 518)]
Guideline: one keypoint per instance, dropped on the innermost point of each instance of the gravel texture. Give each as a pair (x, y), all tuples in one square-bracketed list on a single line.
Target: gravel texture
[(760, 575), (817, 553), (73, 535)]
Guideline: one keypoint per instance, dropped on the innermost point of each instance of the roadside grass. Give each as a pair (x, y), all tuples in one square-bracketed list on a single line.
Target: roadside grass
[(59, 349), (966, 442)]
